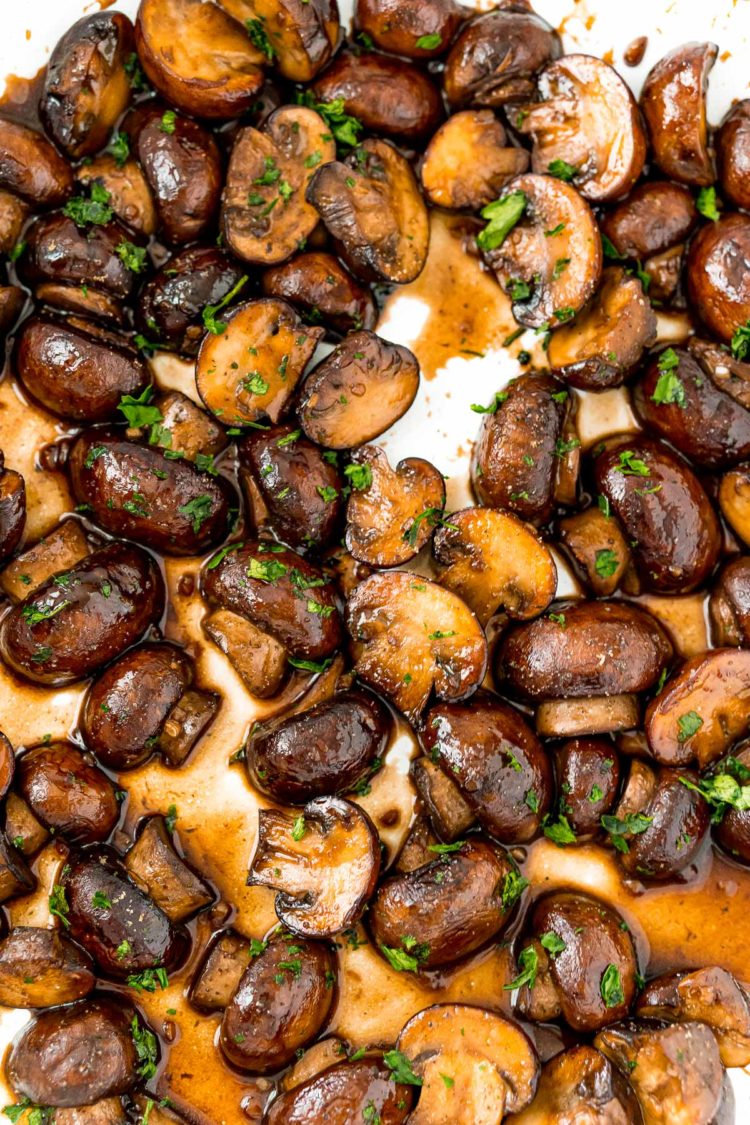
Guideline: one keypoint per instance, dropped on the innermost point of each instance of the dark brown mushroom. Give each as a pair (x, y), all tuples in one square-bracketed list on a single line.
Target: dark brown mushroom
[(732, 831), (655, 217), (7, 764), (588, 778), (12, 301), (469, 161), (60, 252), (344, 1093), (415, 31), (130, 196), (598, 547), (220, 972), (67, 793), (711, 996), (734, 500), (42, 968), (580, 1084), (323, 291), (13, 214), (673, 101), (258, 658), (324, 864), (186, 429), (729, 605), (732, 154), (300, 35), (717, 275), (31, 167), (23, 828), (12, 509), (155, 866), (16, 877), (56, 553), (450, 814)]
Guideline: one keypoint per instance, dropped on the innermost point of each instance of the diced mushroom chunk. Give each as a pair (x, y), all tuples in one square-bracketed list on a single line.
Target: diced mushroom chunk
[(220, 972), (56, 553), (301, 34), (673, 101), (599, 549), (711, 996), (155, 866), (450, 814)]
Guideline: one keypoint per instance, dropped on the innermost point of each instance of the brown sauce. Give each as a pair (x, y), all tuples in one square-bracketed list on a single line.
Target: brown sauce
[(20, 101)]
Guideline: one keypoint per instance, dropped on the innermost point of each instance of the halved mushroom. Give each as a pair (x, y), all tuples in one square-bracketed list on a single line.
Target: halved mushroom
[(319, 286), (86, 85), (703, 710), (496, 762), (241, 382), (664, 272), (325, 869), (656, 216), (188, 431), (598, 547), (13, 214), (443, 911), (300, 35), (711, 996), (68, 793), (257, 657), (664, 512), (450, 813), (476, 1066), (588, 777), (358, 391), (372, 207), (155, 866), (729, 605), (31, 167), (496, 57), (603, 345), (550, 260), (387, 96), (130, 196), (581, 1085), (42, 968), (220, 972), (364, 1090), (198, 57), (12, 509), (587, 662), (391, 513), (468, 161), (586, 119), (732, 153), (265, 214), (734, 500), (410, 637), (415, 31), (673, 101), (495, 563), (675, 1070), (717, 278)]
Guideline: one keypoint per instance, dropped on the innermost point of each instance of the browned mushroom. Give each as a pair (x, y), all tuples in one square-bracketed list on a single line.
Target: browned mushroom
[(717, 276), (410, 637), (711, 996), (673, 100), (588, 777), (220, 972), (391, 513), (587, 123), (130, 196), (358, 391), (187, 430), (62, 253), (155, 866), (734, 500), (13, 214), (449, 812), (324, 864), (7, 764), (11, 305), (416, 31), (732, 154), (12, 509), (56, 553), (655, 217), (265, 214), (468, 161), (198, 58), (319, 286), (31, 167), (240, 382), (42, 968), (16, 877), (258, 658), (23, 828), (476, 1065), (372, 208), (580, 1084), (604, 344), (67, 793), (362, 1090), (731, 822), (598, 547), (729, 605)]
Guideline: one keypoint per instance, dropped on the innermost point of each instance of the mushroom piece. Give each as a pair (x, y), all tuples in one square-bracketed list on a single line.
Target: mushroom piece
[(656, 216), (731, 822), (324, 864), (449, 812), (410, 637), (11, 304), (598, 548), (56, 553), (445, 910), (587, 120), (16, 877), (42, 969), (711, 996), (717, 280), (673, 101), (550, 260), (387, 96), (584, 664), (67, 793), (155, 866), (32, 167), (86, 85), (330, 748), (604, 344), (240, 386), (497, 763), (495, 563), (7, 764), (729, 605), (265, 216), (415, 31), (220, 972), (301, 35), (322, 290), (13, 214), (496, 57), (732, 153), (675, 1070), (476, 1066), (257, 657), (130, 196), (364, 1090), (188, 431), (702, 711), (358, 391), (734, 500), (663, 510), (23, 828), (198, 57), (588, 778), (106, 1111), (12, 509), (66, 256), (583, 955), (469, 161), (391, 513), (581, 1085), (371, 206)]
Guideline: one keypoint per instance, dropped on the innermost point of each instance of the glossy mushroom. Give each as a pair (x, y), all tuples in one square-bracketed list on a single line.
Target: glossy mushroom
[(673, 101)]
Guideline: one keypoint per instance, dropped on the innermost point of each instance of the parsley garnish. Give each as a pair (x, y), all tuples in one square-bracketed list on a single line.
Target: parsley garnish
[(145, 1048), (132, 257), (631, 825), (561, 170), (611, 987), (198, 510), (344, 128), (137, 411), (58, 905), (148, 980), (259, 38), (528, 962), (359, 476), (502, 216), (706, 203), (688, 725), (210, 323), (606, 563), (94, 210)]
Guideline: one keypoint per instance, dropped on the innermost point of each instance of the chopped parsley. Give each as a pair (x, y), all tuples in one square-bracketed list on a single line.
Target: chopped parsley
[(552, 943), (359, 476), (210, 323), (561, 170), (132, 257), (514, 885), (259, 38), (606, 562), (198, 510), (528, 963), (400, 1068), (501, 216), (137, 411), (146, 1049), (148, 980), (429, 42), (630, 465), (58, 905), (611, 987), (688, 725), (706, 203), (94, 210), (345, 129), (617, 828)]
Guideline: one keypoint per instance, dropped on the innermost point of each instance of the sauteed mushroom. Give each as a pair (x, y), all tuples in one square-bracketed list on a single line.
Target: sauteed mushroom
[(711, 996), (673, 101), (468, 161), (319, 286)]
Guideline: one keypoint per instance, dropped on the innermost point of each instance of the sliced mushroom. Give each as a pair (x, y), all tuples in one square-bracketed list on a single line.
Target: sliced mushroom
[(410, 637), (86, 85), (673, 101), (358, 391), (603, 345), (42, 968), (581, 1085), (186, 724), (319, 286), (556, 226), (265, 215), (656, 216), (31, 167), (445, 910), (198, 58), (711, 996), (12, 509), (734, 501), (663, 510), (450, 813), (476, 1066), (257, 657), (703, 710), (675, 1070), (490, 754), (155, 866), (588, 777), (732, 153), (729, 605), (325, 873), (345, 1093), (391, 513), (220, 972), (372, 208), (469, 161), (130, 196), (301, 35), (587, 119), (496, 57), (67, 793), (662, 835), (598, 547), (22, 827), (242, 382), (717, 277), (495, 563), (388, 96)]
